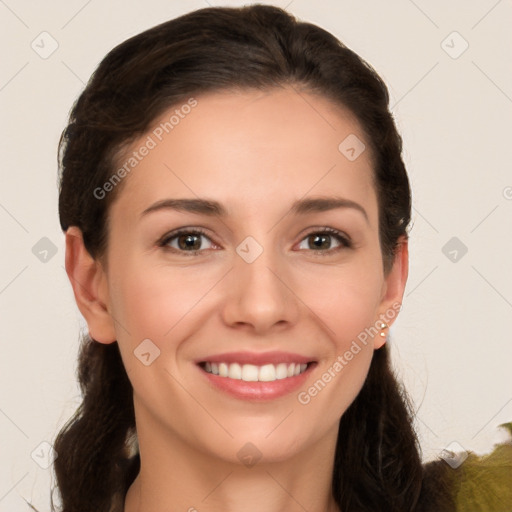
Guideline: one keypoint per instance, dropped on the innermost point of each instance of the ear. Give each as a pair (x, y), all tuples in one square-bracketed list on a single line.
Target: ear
[(89, 283), (394, 287)]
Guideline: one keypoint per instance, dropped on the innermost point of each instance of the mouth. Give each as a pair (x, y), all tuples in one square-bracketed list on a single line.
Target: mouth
[(254, 373), (256, 382)]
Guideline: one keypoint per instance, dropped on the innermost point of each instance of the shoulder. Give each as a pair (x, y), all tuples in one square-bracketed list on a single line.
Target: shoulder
[(485, 482), (466, 482)]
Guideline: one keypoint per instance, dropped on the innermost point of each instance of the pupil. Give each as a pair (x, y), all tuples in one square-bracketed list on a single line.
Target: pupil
[(189, 242), (318, 238)]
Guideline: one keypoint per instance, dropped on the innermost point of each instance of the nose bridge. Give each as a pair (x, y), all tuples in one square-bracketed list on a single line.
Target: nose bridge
[(253, 266), (258, 295)]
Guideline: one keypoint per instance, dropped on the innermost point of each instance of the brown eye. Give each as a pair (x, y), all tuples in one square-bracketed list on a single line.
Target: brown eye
[(322, 241), (189, 242), (185, 241)]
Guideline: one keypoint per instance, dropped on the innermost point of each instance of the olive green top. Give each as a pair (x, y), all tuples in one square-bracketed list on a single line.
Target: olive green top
[(486, 481)]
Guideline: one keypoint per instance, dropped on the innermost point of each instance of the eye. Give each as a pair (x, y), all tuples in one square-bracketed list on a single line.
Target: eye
[(185, 240), (189, 240), (321, 241)]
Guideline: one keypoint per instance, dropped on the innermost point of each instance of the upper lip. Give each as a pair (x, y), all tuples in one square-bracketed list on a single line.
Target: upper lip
[(256, 358)]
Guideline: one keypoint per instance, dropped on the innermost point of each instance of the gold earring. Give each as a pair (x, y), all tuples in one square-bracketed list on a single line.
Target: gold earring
[(383, 326)]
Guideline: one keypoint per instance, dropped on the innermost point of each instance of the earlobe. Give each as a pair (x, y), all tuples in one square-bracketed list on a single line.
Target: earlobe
[(88, 281), (393, 290)]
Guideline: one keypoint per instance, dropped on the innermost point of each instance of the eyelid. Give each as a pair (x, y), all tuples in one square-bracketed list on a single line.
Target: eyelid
[(165, 239), (326, 229)]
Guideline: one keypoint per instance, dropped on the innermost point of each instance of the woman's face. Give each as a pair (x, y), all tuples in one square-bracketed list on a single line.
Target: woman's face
[(260, 284)]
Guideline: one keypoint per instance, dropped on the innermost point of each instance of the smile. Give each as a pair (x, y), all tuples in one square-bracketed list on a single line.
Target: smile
[(253, 373)]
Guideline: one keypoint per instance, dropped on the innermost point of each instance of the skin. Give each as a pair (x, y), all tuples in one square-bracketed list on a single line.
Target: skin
[(293, 297)]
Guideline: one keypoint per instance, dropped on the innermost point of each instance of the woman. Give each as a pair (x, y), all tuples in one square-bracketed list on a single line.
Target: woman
[(236, 211)]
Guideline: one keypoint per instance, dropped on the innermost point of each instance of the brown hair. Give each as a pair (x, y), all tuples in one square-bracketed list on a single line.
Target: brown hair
[(377, 461)]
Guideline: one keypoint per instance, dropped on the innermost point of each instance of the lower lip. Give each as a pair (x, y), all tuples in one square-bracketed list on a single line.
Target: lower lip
[(258, 391)]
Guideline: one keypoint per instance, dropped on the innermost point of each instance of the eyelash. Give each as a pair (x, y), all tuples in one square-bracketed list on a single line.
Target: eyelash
[(339, 236)]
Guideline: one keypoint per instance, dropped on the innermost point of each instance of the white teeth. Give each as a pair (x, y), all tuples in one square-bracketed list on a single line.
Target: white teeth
[(223, 369), (235, 371), (249, 373), (267, 373), (253, 373), (281, 371)]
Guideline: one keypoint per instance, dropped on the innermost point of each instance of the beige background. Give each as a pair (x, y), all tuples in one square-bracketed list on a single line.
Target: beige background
[(452, 342)]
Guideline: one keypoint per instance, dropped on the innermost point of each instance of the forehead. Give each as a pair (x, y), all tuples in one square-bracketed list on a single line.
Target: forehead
[(249, 149)]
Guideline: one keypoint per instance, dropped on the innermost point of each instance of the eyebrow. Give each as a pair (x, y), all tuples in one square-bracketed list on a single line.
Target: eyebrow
[(216, 209)]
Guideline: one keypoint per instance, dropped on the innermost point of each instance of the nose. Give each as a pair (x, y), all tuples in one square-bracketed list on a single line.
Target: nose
[(260, 296)]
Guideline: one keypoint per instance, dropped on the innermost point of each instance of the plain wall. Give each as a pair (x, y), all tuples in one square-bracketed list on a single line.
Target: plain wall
[(451, 344)]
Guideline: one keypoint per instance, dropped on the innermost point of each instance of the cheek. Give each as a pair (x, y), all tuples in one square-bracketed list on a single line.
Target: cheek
[(151, 300), (349, 312), (156, 308), (347, 301), (346, 298)]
